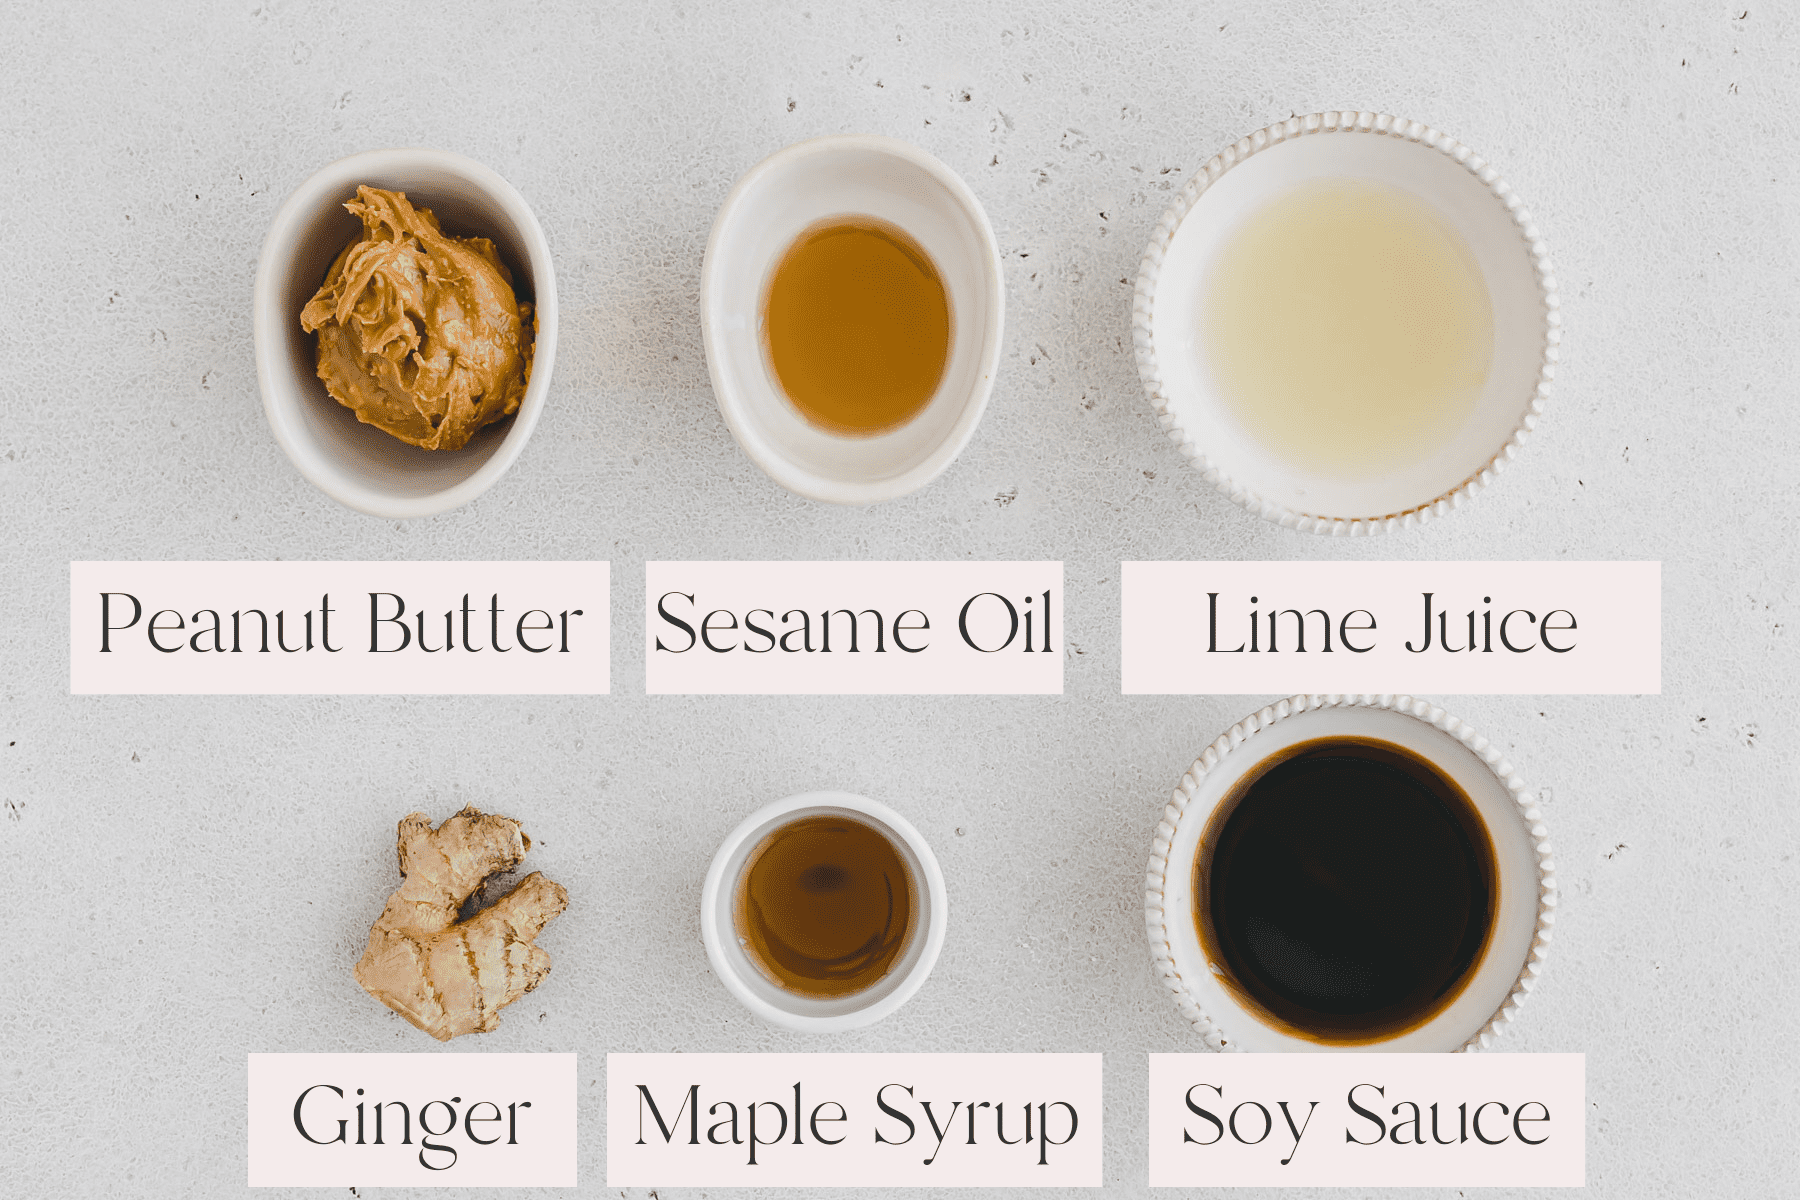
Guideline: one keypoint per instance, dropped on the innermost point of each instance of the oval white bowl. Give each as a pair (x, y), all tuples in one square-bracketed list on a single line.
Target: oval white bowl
[(1514, 957), (1469, 195), (812, 1014), (774, 201), (356, 464)]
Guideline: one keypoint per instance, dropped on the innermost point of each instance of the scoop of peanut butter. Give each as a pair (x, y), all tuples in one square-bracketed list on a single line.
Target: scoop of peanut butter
[(419, 332)]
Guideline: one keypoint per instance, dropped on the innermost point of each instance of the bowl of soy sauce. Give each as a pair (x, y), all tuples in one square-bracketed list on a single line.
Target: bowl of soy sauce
[(1350, 873)]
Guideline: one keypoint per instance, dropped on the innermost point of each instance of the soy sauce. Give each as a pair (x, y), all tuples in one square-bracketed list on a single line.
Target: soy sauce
[(825, 906), (1346, 890)]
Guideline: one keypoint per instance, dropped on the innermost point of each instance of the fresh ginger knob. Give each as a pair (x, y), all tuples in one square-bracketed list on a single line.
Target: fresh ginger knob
[(446, 976)]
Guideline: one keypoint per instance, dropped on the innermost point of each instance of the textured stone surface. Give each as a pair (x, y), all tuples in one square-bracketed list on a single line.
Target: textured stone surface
[(191, 878)]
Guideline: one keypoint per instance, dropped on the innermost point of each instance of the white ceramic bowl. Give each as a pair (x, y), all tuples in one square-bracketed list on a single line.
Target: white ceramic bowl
[(357, 464), (810, 1014), (1508, 968), (1469, 195), (766, 210)]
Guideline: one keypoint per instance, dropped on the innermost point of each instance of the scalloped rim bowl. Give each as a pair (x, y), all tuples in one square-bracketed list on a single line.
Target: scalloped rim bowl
[(355, 464), (1469, 195), (1514, 957)]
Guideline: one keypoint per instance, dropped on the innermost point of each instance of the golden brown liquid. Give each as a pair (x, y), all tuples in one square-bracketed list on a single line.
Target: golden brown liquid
[(1346, 890), (825, 906), (1348, 327), (856, 325)]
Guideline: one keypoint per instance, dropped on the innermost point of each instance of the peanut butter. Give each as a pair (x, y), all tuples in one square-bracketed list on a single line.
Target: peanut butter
[(420, 333)]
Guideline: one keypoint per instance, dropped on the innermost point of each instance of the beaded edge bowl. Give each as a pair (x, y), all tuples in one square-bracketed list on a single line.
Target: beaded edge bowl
[(1155, 914), (1150, 271)]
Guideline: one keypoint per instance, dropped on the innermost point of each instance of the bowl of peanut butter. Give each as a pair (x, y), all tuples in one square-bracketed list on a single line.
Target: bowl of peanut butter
[(405, 324)]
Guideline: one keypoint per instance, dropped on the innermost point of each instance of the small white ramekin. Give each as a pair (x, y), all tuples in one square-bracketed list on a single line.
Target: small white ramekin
[(774, 201), (808, 1014), (356, 464), (1514, 957), (1469, 195)]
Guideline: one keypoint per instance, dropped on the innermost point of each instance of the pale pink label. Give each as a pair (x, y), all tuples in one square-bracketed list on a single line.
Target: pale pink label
[(853, 628), (288, 628), (853, 1120), (1192, 628), (1368, 1120), (412, 1120)]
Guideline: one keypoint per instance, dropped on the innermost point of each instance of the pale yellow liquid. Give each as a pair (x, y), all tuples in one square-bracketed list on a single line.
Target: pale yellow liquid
[(1348, 328)]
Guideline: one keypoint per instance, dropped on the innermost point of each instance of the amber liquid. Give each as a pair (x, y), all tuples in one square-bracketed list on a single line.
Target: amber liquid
[(856, 325), (1347, 891), (1349, 328), (825, 906)]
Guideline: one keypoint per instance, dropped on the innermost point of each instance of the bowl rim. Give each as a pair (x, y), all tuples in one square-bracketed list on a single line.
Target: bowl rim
[(1188, 1000), (931, 886), (777, 466), (1143, 335), (281, 398)]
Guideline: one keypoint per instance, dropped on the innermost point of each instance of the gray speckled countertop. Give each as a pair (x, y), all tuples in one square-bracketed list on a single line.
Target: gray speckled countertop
[(191, 877)]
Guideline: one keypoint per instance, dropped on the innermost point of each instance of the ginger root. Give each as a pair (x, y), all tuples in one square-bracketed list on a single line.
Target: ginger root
[(450, 977)]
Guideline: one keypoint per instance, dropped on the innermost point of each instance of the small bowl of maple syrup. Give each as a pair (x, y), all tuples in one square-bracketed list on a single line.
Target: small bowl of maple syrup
[(823, 912), (852, 307)]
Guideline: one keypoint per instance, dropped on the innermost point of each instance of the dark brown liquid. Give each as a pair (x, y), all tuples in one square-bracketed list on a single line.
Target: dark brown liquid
[(1348, 889), (856, 324), (825, 906)]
